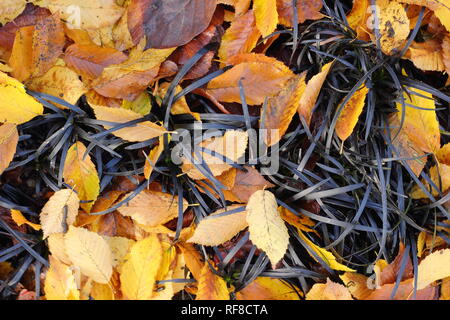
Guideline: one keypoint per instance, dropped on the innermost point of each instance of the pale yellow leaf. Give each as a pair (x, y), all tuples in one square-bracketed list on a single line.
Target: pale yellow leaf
[(435, 266), (60, 282), (140, 269), (10, 9), (89, 252), (213, 231), (267, 230), (59, 212), (57, 247)]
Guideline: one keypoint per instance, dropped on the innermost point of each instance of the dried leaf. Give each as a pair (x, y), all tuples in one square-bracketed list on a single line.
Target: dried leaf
[(152, 208), (21, 59), (57, 247), (404, 292), (194, 261), (16, 105), (348, 118), (60, 282), (213, 231), (435, 266), (263, 288), (180, 106), (357, 284), (313, 87), (119, 248), (152, 158), (266, 16), (18, 218), (140, 269), (182, 20), (141, 104), (59, 212), (358, 18), (306, 10), (141, 131), (9, 137), (267, 230), (80, 173), (90, 253), (211, 286), (10, 9), (328, 291), (427, 55)]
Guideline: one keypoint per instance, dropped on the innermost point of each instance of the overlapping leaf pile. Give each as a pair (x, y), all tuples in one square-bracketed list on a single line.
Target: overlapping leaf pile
[(93, 98)]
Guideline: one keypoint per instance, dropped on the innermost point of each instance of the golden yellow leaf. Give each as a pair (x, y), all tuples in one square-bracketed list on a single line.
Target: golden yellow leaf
[(211, 286), (10, 9), (261, 77), (421, 125), (57, 247), (301, 222), (357, 18), (328, 291), (141, 105), (443, 154), (90, 253), (281, 109), (60, 282), (357, 285), (152, 208), (240, 37), (313, 87), (21, 59), (80, 173), (59, 212), (9, 137), (16, 106), (100, 291), (94, 14), (152, 158), (213, 231), (139, 132), (18, 218), (440, 175), (264, 288), (350, 113), (194, 261), (427, 55), (231, 145), (140, 269), (60, 82), (326, 256), (266, 16), (435, 266), (267, 230)]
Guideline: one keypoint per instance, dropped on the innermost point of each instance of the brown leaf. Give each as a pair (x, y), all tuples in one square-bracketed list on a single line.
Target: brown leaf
[(182, 20), (389, 273), (404, 292), (307, 10)]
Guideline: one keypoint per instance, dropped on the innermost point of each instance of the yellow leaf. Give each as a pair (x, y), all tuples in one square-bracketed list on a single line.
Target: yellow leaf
[(80, 173), (427, 55), (141, 105), (60, 82), (193, 259), (152, 208), (59, 212), (261, 77), (421, 125), (9, 137), (281, 108), (136, 133), (301, 222), (440, 175), (313, 87), (94, 14), (16, 106), (213, 231), (140, 269), (119, 248), (18, 218), (357, 18), (231, 145), (57, 247), (60, 282), (266, 16), (443, 154), (240, 37), (264, 288), (267, 230), (152, 158), (101, 291), (435, 266), (10, 9), (328, 291), (326, 256), (349, 115), (90, 253), (211, 286), (21, 59)]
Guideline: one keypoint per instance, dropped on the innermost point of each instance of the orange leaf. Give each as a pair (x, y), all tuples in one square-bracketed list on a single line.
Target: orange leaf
[(263, 288), (18, 218), (328, 291), (427, 55), (211, 286), (307, 10), (21, 59)]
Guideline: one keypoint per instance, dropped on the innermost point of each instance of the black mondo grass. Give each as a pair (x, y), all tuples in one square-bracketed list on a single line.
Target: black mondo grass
[(356, 192)]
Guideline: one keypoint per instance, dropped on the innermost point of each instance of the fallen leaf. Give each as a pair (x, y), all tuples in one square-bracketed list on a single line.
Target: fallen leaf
[(427, 56), (358, 17), (60, 282), (119, 248), (266, 16), (194, 261), (19, 218), (213, 231), (180, 106), (306, 10), (182, 20), (10, 9), (57, 247), (404, 292), (211, 286), (139, 272), (141, 131), (142, 104), (90, 253), (80, 173), (328, 291), (301, 222), (21, 59), (435, 266), (152, 208), (152, 158), (9, 138), (357, 285), (267, 230), (264, 288), (439, 7), (59, 212), (348, 118)]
